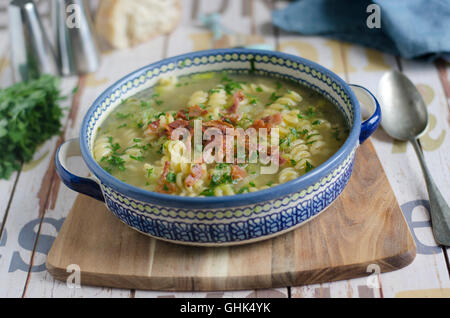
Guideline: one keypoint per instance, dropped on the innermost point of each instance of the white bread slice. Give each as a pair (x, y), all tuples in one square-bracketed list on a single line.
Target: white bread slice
[(126, 23)]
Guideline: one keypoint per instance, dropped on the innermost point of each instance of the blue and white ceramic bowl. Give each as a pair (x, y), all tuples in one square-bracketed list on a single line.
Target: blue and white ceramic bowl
[(238, 219)]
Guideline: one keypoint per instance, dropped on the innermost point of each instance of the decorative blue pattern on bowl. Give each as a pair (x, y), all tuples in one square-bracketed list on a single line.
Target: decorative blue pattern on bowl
[(227, 220)]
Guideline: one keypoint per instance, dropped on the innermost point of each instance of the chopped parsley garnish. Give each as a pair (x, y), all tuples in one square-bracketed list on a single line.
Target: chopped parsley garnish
[(231, 86), (252, 184), (317, 122), (304, 132), (171, 177), (222, 166), (252, 99), (214, 90), (312, 135), (30, 114), (244, 190), (161, 149), (252, 65), (228, 120), (311, 112), (274, 97), (116, 162), (217, 180), (293, 162), (225, 78), (140, 159), (122, 116), (208, 192), (149, 172), (114, 147), (145, 104), (336, 134), (308, 167)]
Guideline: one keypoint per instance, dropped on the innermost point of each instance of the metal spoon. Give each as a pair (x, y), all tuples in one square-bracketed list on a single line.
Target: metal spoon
[(405, 117)]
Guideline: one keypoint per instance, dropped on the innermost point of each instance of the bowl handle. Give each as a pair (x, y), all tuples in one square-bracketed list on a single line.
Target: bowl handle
[(82, 185), (370, 111)]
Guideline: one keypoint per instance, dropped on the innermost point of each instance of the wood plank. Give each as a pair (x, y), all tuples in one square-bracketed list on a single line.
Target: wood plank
[(403, 171), (6, 186), (23, 216), (364, 66), (444, 75), (429, 270), (41, 283), (22, 264), (352, 235)]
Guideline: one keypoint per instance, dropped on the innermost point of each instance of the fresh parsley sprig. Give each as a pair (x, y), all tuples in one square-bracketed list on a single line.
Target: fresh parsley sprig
[(30, 114)]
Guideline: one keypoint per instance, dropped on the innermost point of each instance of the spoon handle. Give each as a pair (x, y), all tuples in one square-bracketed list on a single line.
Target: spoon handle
[(439, 209)]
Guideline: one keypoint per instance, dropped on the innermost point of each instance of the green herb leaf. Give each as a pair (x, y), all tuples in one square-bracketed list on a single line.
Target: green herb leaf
[(244, 190), (122, 116), (30, 114), (140, 159), (171, 177), (308, 167), (208, 192)]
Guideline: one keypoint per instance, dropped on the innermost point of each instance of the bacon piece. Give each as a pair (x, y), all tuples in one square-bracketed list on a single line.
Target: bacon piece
[(194, 176), (238, 173), (282, 160), (220, 124), (237, 99), (165, 186), (275, 119), (165, 171), (267, 122), (259, 123), (180, 123), (196, 111), (152, 128), (181, 114), (234, 118), (191, 112)]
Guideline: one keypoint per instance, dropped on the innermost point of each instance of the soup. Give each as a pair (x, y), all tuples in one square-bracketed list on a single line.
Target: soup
[(195, 135)]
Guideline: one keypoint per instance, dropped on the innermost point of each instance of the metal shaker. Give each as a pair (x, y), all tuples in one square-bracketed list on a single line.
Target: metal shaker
[(31, 52), (76, 45)]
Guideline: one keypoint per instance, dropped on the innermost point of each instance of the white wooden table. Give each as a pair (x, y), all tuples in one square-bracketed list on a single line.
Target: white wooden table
[(34, 203)]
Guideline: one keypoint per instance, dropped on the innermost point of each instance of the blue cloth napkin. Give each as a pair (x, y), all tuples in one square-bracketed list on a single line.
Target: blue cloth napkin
[(409, 28)]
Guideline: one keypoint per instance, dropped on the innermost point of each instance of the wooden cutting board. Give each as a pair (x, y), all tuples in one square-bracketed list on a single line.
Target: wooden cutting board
[(364, 226)]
